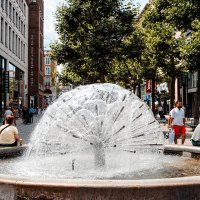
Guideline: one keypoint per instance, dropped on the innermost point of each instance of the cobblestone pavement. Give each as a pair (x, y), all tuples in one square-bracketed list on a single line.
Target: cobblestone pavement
[(25, 130)]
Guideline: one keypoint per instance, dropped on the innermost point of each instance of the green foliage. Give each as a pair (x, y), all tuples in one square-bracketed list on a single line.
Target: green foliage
[(191, 48), (180, 13), (91, 35)]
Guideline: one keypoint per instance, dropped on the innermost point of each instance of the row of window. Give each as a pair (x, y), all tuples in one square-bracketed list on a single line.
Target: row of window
[(47, 81), (11, 40), (47, 60), (47, 70), (14, 16), (5, 5)]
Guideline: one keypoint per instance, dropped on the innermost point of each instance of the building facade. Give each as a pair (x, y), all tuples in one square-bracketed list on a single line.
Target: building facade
[(192, 90), (13, 53), (36, 53), (50, 72)]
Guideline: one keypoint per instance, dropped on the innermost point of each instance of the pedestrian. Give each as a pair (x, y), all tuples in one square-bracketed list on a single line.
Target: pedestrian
[(161, 112), (177, 122), (195, 139), (31, 112), (188, 113), (14, 115), (26, 115), (9, 135), (8, 111)]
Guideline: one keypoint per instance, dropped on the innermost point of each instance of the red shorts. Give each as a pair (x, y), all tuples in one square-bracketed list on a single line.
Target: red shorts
[(179, 130)]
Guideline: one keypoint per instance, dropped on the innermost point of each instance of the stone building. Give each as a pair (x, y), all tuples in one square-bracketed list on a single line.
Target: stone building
[(50, 71), (13, 53), (36, 54)]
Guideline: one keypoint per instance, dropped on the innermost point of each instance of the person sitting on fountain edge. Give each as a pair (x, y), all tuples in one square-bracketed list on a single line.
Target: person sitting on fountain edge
[(196, 136), (9, 134), (177, 122)]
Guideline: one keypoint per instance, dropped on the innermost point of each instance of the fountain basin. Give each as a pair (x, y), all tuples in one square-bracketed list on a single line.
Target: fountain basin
[(6, 152), (183, 188), (171, 188)]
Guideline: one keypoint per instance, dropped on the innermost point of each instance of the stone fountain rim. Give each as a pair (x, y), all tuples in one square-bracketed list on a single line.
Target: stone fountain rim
[(77, 183)]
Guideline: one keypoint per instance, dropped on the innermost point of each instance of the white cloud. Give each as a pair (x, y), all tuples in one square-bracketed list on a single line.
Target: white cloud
[(50, 34)]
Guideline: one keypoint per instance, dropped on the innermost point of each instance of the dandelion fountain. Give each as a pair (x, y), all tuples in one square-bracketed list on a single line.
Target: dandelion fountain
[(93, 143)]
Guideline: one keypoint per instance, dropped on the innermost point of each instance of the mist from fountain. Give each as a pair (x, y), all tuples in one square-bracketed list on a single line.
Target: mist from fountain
[(94, 131)]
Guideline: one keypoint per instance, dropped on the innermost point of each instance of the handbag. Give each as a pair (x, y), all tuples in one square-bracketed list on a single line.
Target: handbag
[(4, 128)]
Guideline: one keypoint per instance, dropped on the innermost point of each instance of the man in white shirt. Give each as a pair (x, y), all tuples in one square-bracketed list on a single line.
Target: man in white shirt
[(196, 136), (178, 122)]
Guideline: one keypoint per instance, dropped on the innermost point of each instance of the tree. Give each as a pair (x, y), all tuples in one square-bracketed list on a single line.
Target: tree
[(184, 16), (127, 70), (163, 50), (91, 35), (191, 56)]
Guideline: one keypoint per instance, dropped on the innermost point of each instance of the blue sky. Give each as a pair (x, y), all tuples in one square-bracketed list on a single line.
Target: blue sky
[(49, 20)]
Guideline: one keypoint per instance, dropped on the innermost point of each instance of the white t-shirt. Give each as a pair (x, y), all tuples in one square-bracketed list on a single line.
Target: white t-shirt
[(7, 135), (196, 134), (178, 115)]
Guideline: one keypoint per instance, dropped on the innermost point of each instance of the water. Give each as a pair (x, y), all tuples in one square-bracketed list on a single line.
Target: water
[(99, 131)]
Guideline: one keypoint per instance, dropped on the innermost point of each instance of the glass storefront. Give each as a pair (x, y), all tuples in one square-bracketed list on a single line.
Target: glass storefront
[(16, 86), (3, 85)]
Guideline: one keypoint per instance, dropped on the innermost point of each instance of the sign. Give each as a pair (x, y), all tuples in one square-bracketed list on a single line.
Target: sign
[(148, 86), (163, 87), (6, 81)]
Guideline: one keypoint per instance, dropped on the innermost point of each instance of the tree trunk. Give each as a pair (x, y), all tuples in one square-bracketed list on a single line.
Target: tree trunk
[(173, 79), (102, 77), (139, 91), (172, 96), (197, 101), (178, 88), (153, 95)]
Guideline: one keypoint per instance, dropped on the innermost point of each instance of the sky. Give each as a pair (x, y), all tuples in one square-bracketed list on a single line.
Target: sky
[(50, 6)]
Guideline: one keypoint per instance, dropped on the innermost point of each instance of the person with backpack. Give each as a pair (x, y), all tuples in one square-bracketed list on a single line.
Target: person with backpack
[(9, 135)]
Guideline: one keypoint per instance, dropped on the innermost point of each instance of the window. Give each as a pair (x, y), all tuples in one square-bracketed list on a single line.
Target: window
[(13, 42), (14, 15), (19, 48), (24, 9), (16, 19), (22, 27), (47, 71), (24, 30), (10, 38), (6, 34), (47, 81), (10, 10), (22, 51), (6, 7), (47, 60), (16, 46), (2, 30), (19, 23), (2, 4)]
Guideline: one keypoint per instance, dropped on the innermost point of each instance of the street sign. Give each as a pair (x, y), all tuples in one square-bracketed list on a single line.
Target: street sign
[(6, 81)]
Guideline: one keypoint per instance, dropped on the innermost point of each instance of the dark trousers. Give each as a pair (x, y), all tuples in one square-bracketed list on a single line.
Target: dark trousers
[(9, 145)]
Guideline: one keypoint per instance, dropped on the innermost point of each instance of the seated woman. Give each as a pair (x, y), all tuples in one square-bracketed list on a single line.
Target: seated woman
[(9, 134), (196, 136)]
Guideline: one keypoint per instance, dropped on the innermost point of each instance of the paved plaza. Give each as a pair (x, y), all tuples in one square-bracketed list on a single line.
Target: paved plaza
[(25, 130)]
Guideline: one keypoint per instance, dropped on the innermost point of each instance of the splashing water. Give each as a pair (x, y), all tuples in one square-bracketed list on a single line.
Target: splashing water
[(99, 130), (101, 116)]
